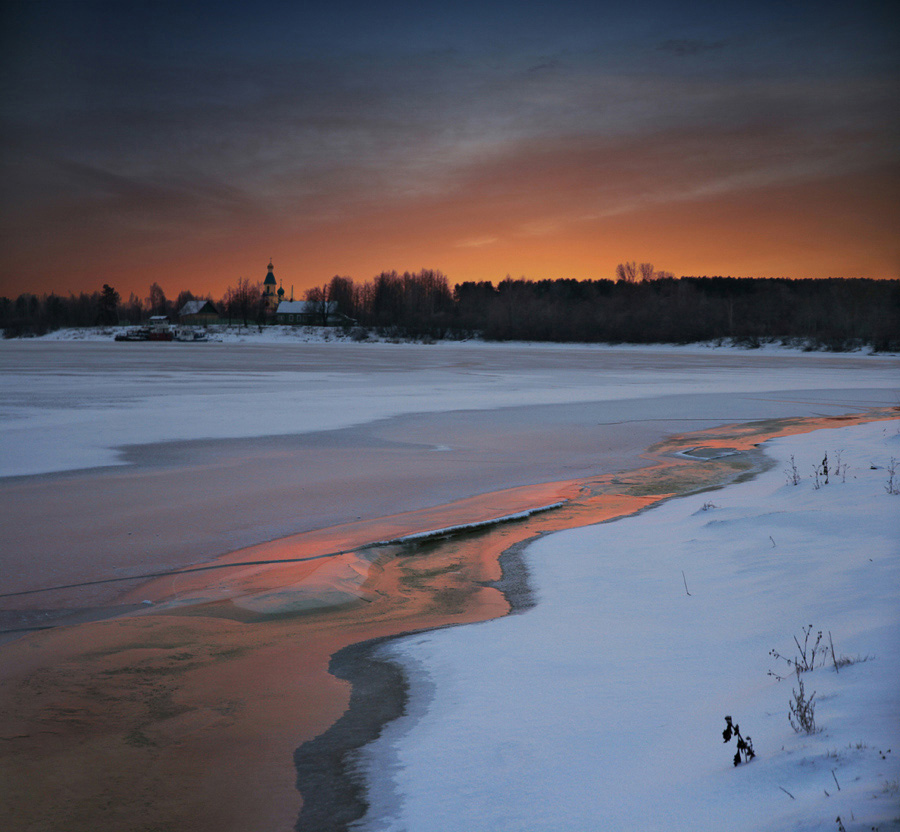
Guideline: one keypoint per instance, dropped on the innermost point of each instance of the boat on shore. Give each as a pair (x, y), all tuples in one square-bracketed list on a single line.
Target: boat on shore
[(134, 334), (157, 329), (190, 334)]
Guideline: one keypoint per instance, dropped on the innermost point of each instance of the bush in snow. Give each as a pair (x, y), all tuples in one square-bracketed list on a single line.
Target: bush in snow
[(806, 657), (792, 474), (821, 471), (744, 746), (803, 711), (893, 483)]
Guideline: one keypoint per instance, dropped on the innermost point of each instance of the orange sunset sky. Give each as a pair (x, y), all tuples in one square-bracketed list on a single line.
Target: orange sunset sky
[(187, 143)]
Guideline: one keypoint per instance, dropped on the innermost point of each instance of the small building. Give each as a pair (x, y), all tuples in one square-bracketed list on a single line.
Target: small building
[(310, 313), (199, 312)]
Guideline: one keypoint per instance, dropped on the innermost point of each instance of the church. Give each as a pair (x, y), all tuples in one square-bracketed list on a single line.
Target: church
[(271, 296), (298, 312)]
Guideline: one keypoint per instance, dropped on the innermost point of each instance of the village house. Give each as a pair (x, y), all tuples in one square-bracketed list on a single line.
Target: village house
[(198, 312), (310, 313)]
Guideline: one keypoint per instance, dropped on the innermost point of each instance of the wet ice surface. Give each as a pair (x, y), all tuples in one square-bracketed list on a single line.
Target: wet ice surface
[(220, 446)]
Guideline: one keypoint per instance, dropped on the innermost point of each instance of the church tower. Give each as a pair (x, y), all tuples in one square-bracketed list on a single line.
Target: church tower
[(270, 297)]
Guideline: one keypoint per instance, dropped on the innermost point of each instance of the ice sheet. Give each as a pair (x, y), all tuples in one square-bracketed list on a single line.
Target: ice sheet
[(73, 405)]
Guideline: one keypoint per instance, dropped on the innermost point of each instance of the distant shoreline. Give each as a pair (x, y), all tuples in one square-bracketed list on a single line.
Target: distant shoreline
[(307, 334)]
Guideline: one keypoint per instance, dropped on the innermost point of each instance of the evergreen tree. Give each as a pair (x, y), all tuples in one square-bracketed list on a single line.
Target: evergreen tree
[(108, 313)]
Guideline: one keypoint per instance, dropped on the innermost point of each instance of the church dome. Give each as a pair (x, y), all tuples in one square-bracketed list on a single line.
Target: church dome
[(270, 278)]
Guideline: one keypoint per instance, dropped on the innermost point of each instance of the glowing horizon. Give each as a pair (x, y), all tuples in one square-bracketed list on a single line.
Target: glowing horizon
[(162, 146)]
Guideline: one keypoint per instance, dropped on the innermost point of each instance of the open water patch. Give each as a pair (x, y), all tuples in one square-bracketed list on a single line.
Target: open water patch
[(707, 454)]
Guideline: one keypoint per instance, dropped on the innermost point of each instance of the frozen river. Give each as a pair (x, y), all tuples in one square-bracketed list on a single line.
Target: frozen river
[(119, 458)]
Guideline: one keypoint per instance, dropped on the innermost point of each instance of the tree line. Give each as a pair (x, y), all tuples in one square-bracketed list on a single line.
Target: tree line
[(31, 314), (829, 313), (642, 305)]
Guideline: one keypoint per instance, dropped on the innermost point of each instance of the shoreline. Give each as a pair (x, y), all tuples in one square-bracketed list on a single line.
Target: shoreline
[(287, 334), (335, 794), (193, 686), (325, 766)]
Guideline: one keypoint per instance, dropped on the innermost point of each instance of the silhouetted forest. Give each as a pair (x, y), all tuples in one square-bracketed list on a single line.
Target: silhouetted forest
[(833, 314), (642, 306)]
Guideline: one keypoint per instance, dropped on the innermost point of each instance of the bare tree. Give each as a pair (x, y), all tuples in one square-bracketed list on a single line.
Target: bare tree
[(627, 272), (387, 299), (317, 299), (243, 301), (157, 300), (133, 309), (646, 271), (341, 293)]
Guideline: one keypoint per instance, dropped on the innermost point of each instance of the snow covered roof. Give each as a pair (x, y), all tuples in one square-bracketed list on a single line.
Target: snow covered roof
[(194, 307), (303, 307)]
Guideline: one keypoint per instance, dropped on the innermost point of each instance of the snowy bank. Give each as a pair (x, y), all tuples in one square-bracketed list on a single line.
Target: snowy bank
[(281, 334), (603, 706)]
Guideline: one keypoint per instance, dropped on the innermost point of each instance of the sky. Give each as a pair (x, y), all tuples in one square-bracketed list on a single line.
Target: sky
[(187, 143)]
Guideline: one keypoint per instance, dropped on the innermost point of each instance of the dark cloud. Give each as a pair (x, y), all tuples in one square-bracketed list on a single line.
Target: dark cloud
[(549, 65)]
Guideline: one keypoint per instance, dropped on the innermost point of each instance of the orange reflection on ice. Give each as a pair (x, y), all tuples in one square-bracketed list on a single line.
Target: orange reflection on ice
[(226, 673)]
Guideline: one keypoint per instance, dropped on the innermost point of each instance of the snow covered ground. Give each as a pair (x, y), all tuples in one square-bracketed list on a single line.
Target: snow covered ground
[(603, 706), (233, 334)]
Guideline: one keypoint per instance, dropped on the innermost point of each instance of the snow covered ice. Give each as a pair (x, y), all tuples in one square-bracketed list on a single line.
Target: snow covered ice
[(603, 706), (74, 405)]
